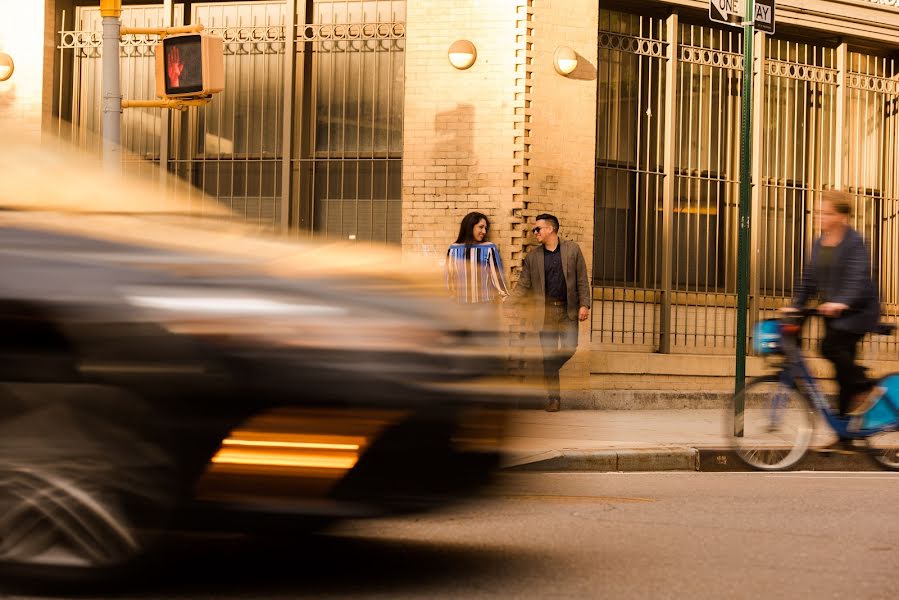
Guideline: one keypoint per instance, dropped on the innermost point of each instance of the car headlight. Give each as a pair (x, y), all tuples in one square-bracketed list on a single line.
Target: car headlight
[(237, 305)]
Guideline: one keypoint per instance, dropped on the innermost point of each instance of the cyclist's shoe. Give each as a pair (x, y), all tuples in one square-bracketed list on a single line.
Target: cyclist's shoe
[(841, 446), (865, 401)]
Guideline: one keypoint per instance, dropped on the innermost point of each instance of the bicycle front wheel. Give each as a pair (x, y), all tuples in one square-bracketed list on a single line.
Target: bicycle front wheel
[(778, 424), (884, 449)]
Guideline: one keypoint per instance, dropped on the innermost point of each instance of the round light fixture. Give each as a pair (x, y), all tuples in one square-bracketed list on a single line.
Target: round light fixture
[(6, 66), (462, 54), (565, 60)]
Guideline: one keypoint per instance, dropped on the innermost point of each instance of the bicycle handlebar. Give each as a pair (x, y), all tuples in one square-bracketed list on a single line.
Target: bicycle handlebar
[(805, 312)]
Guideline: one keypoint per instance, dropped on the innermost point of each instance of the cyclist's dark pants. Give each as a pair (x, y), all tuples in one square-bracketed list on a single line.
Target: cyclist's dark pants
[(841, 348)]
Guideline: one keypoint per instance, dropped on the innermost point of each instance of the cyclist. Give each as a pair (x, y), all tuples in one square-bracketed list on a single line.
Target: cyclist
[(839, 275)]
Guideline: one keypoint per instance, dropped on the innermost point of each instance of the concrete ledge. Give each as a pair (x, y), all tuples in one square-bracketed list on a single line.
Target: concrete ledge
[(658, 400), (644, 459), (511, 461), (725, 460), (664, 459), (708, 460)]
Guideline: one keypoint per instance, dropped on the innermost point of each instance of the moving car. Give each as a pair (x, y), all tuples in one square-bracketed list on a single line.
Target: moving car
[(167, 369)]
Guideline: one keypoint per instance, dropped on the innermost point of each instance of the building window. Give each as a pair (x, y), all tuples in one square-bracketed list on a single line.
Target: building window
[(352, 165), (347, 110), (630, 122), (707, 159), (798, 120)]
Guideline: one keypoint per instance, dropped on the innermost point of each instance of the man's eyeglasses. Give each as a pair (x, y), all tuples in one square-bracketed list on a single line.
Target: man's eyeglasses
[(536, 230)]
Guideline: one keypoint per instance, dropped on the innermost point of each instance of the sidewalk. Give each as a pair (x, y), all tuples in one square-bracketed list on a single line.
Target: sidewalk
[(642, 440)]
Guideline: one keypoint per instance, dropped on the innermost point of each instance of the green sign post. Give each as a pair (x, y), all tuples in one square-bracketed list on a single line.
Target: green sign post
[(756, 14), (744, 216), (759, 15)]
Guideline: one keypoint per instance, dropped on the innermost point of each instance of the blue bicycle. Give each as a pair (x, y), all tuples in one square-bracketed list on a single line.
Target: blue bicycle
[(779, 410)]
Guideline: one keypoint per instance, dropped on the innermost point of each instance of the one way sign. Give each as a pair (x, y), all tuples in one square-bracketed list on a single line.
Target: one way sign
[(731, 12), (764, 15)]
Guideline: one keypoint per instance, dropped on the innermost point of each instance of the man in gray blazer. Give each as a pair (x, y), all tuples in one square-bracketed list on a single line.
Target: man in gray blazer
[(554, 279)]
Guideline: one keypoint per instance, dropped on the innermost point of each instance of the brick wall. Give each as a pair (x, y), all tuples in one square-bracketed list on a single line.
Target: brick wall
[(561, 162), (459, 141), (509, 137), (22, 37), (563, 119)]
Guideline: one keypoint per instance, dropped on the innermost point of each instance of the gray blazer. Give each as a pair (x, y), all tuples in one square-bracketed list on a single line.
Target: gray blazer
[(532, 283)]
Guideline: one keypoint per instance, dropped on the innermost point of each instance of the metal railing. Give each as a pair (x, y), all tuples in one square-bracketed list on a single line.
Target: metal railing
[(667, 193), (872, 174), (335, 87), (630, 130)]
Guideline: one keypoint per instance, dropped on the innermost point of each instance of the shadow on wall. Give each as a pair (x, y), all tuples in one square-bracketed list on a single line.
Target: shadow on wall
[(454, 131), (585, 71), (453, 173), (454, 135)]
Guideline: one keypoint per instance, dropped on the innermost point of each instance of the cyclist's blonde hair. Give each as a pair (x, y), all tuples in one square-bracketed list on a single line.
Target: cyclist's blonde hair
[(840, 201)]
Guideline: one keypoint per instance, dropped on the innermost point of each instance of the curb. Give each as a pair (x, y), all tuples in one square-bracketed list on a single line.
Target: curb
[(715, 460), (670, 458), (674, 458)]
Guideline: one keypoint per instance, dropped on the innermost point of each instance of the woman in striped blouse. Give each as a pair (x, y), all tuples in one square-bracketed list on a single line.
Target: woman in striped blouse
[(474, 269)]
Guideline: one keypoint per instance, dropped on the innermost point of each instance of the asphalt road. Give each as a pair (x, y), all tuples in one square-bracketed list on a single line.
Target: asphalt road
[(603, 535)]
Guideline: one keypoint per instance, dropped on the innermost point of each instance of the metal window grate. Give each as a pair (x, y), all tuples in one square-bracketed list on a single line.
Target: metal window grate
[(630, 128), (703, 244), (872, 176), (827, 118), (352, 160), (347, 113)]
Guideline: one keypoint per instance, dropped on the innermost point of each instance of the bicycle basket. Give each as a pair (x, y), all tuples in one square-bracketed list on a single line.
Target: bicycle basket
[(767, 338)]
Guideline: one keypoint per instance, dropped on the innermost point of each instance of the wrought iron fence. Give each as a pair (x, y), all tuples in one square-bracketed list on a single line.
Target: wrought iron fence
[(872, 174), (667, 193), (630, 129), (329, 73), (799, 161)]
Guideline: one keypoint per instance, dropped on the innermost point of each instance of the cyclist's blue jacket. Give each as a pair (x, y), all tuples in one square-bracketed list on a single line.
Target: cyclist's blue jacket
[(850, 284)]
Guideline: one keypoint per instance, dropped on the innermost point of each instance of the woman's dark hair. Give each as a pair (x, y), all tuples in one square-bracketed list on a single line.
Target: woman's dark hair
[(466, 229)]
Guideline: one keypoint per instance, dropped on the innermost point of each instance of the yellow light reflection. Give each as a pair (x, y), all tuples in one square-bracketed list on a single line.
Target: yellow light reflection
[(289, 450), (280, 459), (309, 445)]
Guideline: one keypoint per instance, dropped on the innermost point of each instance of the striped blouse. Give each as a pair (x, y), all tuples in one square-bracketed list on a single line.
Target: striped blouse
[(475, 273)]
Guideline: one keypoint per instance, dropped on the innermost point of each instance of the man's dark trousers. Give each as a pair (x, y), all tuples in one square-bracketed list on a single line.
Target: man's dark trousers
[(558, 338)]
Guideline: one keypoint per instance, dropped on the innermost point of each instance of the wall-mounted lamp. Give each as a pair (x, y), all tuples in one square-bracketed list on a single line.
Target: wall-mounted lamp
[(462, 54), (6, 66), (565, 60)]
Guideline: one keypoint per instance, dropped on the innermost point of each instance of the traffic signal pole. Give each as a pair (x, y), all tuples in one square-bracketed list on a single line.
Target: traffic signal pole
[(111, 11), (744, 217)]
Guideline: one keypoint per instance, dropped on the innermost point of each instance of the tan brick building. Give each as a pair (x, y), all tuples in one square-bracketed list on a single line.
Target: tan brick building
[(380, 138), (21, 96)]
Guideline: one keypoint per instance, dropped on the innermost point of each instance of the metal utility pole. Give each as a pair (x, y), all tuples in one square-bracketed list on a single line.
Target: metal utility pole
[(111, 11), (744, 214), (756, 15)]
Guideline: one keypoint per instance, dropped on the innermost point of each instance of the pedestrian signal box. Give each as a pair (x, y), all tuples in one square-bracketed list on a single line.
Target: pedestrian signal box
[(191, 65)]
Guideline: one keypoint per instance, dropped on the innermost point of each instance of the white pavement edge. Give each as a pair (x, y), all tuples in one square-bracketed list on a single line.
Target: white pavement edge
[(668, 458)]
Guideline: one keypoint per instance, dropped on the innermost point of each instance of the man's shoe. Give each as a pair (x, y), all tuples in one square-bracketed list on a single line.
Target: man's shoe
[(553, 405)]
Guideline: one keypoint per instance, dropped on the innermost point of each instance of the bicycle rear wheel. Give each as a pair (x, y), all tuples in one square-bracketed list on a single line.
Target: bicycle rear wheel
[(778, 424), (884, 449)]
